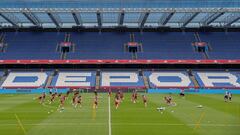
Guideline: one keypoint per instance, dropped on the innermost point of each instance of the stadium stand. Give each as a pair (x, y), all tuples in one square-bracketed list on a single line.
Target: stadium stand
[(223, 45), (99, 46), (31, 45), (171, 45), (110, 45)]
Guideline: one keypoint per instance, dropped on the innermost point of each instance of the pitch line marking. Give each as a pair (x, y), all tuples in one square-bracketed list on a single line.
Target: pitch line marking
[(109, 116), (20, 124), (199, 121)]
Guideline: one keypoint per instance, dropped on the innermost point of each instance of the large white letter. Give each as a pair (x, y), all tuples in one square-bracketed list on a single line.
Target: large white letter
[(185, 81), (73, 79), (40, 79), (118, 77), (209, 82)]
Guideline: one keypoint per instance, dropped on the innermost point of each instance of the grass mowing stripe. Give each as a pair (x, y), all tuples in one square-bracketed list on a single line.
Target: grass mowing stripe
[(217, 104), (20, 124)]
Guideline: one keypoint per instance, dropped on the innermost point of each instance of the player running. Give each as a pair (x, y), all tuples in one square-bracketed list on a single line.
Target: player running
[(117, 101), (169, 100), (42, 98), (144, 98), (52, 99), (226, 96), (134, 96), (62, 101), (78, 100), (121, 96), (230, 96), (75, 95)]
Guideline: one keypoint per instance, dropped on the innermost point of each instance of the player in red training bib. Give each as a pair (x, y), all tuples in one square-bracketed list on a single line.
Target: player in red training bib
[(117, 101), (121, 96), (52, 99), (75, 95), (62, 101), (134, 96), (144, 98), (42, 98)]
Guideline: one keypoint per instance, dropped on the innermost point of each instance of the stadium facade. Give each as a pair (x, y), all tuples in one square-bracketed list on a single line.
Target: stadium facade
[(193, 44)]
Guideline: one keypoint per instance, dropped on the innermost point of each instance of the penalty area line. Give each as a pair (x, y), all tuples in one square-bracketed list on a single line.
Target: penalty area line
[(20, 124)]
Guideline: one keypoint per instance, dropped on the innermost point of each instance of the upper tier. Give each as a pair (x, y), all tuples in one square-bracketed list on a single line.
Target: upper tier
[(110, 45)]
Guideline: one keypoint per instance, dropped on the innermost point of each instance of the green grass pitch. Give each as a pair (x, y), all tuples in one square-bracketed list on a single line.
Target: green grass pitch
[(21, 115)]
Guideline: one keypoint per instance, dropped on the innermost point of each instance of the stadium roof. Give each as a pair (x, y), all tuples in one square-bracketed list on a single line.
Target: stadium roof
[(115, 13)]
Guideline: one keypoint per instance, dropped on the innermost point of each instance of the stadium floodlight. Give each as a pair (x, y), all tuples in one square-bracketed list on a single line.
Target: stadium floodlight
[(77, 18), (189, 19), (166, 17), (121, 18), (10, 18), (32, 18), (54, 19), (99, 19), (143, 19)]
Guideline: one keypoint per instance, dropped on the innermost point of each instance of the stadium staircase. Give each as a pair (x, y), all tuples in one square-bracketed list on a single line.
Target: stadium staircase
[(193, 79), (4, 76), (98, 79), (49, 79), (146, 82), (2, 43)]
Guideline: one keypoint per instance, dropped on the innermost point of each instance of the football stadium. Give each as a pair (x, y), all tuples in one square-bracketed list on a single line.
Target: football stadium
[(119, 67)]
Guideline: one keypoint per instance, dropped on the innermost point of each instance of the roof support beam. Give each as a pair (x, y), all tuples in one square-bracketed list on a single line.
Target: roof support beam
[(99, 19), (212, 18), (143, 19), (77, 18), (10, 18), (232, 19), (32, 18), (189, 19), (121, 18), (166, 17), (54, 19)]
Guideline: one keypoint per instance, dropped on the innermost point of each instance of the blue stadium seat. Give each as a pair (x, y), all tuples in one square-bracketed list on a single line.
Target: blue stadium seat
[(171, 45), (32, 45), (110, 45), (224, 45)]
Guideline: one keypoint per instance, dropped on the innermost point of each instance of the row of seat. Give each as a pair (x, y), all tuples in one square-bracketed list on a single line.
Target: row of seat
[(110, 45)]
